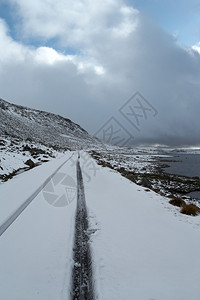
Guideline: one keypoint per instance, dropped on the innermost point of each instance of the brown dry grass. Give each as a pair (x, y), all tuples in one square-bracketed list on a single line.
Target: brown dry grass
[(190, 209), (177, 202)]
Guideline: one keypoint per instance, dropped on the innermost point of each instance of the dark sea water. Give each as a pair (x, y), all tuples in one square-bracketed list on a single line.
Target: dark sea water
[(185, 164)]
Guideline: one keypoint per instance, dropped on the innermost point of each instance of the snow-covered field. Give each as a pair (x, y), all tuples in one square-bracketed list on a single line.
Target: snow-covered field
[(151, 170), (142, 247)]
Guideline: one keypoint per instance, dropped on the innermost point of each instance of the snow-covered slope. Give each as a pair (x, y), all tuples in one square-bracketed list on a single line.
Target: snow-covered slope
[(28, 134), (42, 127)]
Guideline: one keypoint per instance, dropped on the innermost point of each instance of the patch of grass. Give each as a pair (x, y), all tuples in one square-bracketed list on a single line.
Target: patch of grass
[(101, 164), (190, 209), (177, 202)]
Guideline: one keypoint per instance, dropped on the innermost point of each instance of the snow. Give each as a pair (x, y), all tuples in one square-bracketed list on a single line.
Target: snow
[(143, 248), (36, 250), (16, 191), (13, 155)]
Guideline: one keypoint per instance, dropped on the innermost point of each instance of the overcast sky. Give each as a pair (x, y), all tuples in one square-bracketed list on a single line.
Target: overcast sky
[(85, 59)]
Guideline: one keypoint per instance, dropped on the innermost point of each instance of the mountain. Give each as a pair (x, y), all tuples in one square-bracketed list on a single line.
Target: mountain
[(29, 137), (42, 127)]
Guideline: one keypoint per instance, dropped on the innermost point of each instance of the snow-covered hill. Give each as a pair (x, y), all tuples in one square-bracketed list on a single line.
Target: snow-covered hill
[(28, 134), (42, 127)]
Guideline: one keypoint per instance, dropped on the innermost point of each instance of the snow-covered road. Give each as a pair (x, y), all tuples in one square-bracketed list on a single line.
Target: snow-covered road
[(142, 248), (36, 250), (15, 214)]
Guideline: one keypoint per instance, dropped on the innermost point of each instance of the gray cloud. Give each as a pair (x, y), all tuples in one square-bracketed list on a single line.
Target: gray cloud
[(118, 58)]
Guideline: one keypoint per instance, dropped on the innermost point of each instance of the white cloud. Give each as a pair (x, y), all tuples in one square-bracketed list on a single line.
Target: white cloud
[(119, 52), (99, 70), (74, 23), (196, 48), (9, 49), (129, 22), (50, 56)]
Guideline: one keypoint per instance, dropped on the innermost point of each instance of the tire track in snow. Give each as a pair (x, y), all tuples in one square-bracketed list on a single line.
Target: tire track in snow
[(4, 226), (82, 282)]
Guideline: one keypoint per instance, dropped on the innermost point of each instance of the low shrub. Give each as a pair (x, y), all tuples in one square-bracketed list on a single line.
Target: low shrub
[(190, 209), (101, 164), (177, 202)]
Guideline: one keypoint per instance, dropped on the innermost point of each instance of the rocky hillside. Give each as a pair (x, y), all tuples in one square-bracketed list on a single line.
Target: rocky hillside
[(30, 137), (42, 127)]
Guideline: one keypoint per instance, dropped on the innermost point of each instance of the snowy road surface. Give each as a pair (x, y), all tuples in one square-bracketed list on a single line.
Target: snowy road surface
[(36, 250), (141, 247), (14, 215)]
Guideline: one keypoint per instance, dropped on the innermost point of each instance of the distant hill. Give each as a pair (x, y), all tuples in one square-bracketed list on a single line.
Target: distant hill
[(42, 127)]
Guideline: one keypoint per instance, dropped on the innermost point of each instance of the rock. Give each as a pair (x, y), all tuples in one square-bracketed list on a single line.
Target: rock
[(30, 163), (131, 177), (145, 182)]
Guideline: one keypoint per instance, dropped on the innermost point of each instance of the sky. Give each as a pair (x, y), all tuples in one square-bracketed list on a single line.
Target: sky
[(100, 62)]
